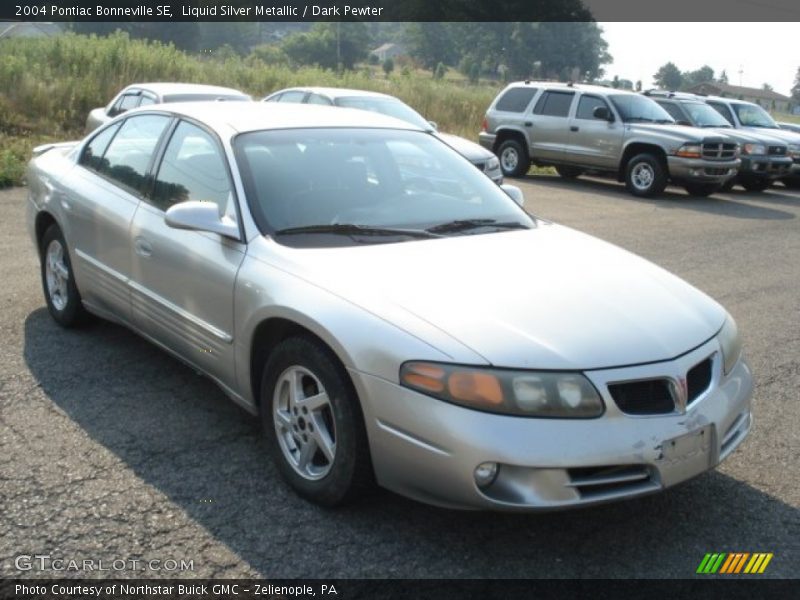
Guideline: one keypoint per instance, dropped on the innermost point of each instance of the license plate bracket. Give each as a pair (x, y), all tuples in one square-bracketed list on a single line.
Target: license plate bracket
[(687, 455)]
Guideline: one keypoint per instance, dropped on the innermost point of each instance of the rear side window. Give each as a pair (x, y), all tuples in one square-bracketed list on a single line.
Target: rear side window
[(193, 168), (723, 110), (516, 99), (554, 104), (129, 154), (586, 106), (92, 157), (126, 102)]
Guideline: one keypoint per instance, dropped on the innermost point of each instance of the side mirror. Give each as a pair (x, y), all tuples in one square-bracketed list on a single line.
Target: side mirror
[(434, 125), (514, 193), (201, 216), (602, 113)]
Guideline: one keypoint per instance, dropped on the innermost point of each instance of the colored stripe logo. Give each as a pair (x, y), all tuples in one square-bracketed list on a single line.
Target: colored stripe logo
[(734, 563)]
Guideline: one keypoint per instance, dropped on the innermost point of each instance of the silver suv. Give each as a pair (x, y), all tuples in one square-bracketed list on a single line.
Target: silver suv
[(584, 128)]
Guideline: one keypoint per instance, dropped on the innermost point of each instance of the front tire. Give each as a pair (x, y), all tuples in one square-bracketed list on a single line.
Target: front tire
[(702, 189), (645, 176), (58, 281), (514, 160), (313, 423), (754, 184), (569, 172)]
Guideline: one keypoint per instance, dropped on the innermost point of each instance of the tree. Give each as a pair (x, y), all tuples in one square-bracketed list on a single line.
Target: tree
[(767, 87), (639, 85), (723, 77), (431, 44), (668, 77), (701, 75), (329, 44), (388, 66), (615, 82), (439, 71), (796, 86)]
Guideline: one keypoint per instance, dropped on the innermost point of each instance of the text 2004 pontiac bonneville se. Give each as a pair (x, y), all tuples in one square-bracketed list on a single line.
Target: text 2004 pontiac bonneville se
[(391, 314)]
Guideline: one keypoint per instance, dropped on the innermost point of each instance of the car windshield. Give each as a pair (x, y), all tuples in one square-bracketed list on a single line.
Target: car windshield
[(341, 186), (391, 107), (751, 115), (702, 115), (638, 109)]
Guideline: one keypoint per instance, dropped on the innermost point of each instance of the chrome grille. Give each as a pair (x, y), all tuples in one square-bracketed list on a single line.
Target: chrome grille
[(776, 150), (719, 150)]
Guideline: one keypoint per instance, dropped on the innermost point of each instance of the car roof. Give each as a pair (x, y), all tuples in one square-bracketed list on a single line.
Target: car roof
[(334, 92), (582, 87), (255, 116), (166, 89)]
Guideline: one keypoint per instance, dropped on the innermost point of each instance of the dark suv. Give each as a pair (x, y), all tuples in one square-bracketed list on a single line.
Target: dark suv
[(765, 158), (584, 128)]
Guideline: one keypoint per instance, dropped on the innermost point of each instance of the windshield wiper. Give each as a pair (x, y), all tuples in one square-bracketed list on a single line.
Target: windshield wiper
[(353, 229), (467, 224), (664, 122)]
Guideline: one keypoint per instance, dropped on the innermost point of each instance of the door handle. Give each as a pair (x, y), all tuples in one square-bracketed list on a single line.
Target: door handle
[(143, 247), (528, 123), (574, 128)]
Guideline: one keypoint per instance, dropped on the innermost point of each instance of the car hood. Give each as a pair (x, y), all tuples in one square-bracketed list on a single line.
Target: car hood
[(743, 136), (675, 135), (787, 137), (464, 147), (547, 298)]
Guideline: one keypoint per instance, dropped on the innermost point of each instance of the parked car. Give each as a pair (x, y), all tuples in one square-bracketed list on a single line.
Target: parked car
[(584, 128), (393, 107), (795, 127), (145, 94), (746, 116), (764, 158), (377, 325)]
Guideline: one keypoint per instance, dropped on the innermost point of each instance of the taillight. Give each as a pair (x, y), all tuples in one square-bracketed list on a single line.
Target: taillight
[(484, 125)]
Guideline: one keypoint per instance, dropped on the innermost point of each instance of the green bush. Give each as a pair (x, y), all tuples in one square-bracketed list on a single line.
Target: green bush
[(49, 85)]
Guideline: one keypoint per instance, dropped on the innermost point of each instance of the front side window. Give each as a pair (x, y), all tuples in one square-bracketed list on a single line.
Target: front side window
[(130, 152), (586, 106), (333, 183), (292, 96), (724, 111), (554, 104), (702, 115), (193, 168)]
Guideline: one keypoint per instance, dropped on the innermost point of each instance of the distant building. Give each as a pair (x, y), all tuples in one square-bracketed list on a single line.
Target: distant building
[(389, 51), (24, 29), (766, 98)]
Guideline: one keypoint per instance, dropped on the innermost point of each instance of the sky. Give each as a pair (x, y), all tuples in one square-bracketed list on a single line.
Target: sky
[(764, 52)]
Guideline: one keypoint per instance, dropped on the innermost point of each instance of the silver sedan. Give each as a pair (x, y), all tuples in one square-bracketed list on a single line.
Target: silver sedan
[(358, 284)]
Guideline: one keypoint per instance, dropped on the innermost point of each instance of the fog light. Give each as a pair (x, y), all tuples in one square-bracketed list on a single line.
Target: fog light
[(485, 474), (695, 172)]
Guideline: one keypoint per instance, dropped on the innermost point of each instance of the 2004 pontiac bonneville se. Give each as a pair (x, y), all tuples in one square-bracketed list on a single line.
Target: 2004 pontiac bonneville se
[(391, 313)]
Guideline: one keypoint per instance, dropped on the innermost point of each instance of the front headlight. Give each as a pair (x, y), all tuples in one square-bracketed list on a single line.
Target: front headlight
[(754, 149), (690, 151), (492, 164), (522, 393), (730, 343)]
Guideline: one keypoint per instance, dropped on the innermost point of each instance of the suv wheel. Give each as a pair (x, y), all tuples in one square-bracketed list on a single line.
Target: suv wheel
[(645, 176), (701, 189), (754, 184), (514, 160), (569, 172)]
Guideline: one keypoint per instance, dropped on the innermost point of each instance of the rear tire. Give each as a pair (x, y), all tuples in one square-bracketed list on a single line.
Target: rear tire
[(645, 176), (58, 281), (313, 423), (514, 159), (702, 189), (569, 172), (754, 184)]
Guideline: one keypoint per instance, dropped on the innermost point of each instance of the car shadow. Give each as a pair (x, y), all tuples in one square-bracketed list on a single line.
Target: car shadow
[(178, 433), (730, 204)]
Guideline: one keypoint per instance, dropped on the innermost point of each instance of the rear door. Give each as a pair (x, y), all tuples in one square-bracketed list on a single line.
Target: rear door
[(106, 189), (594, 142), (549, 134), (183, 281)]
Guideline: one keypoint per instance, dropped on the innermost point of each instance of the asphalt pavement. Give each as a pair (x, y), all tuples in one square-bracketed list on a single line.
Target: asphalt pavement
[(111, 450)]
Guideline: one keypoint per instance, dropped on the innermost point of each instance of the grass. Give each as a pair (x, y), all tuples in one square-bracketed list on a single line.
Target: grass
[(49, 85)]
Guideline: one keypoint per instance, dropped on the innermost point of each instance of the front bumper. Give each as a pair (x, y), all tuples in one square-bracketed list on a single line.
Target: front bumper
[(428, 449), (767, 167), (701, 171)]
